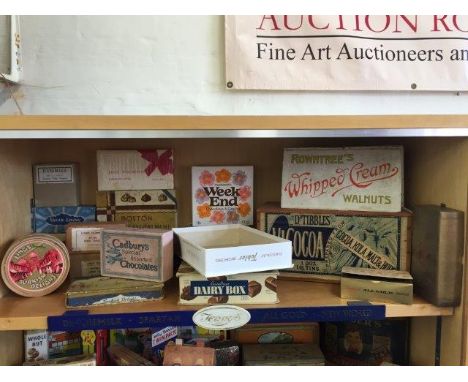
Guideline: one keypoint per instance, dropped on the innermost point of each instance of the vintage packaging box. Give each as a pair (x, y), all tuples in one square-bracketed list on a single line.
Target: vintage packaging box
[(178, 354), (56, 184), (85, 265), (377, 285), (231, 249), (277, 334), (245, 288), (137, 254), (437, 264), (36, 345), (227, 352), (282, 355), (323, 242), (343, 178), (135, 169), (365, 342), (64, 344), (121, 356), (222, 195), (78, 360), (154, 209), (107, 290), (56, 219), (86, 237)]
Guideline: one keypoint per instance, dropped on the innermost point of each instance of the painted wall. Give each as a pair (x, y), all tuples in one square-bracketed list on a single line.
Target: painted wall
[(155, 65)]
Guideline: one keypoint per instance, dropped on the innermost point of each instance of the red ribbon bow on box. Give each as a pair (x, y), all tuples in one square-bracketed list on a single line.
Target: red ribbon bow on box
[(162, 162)]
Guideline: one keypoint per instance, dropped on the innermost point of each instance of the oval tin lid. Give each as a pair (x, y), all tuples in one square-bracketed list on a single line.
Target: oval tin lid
[(221, 317), (35, 265)]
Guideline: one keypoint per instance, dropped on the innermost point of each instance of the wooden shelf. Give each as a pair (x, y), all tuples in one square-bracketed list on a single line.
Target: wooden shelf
[(20, 313)]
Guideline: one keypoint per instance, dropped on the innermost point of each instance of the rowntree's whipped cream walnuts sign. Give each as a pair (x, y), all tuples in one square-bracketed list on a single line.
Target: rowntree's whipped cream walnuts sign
[(222, 195), (349, 178)]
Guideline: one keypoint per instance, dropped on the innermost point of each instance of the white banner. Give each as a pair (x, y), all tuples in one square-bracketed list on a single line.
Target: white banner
[(353, 52)]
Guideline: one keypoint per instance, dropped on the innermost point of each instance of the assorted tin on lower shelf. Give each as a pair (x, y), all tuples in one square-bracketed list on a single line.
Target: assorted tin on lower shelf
[(105, 291)]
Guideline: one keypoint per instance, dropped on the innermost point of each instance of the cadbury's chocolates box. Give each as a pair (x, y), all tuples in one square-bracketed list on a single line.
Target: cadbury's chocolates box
[(137, 254), (222, 195), (323, 242), (343, 178), (365, 342)]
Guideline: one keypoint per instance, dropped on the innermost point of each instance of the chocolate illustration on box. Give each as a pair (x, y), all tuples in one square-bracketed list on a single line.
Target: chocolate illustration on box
[(246, 288), (35, 265), (56, 219), (137, 254), (135, 169), (348, 178), (222, 195), (138, 208), (323, 242)]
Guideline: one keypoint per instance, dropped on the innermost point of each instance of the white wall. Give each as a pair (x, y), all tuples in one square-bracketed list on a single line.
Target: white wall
[(168, 65)]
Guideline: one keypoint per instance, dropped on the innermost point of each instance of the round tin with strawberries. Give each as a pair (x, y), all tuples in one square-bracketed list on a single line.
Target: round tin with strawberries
[(35, 265)]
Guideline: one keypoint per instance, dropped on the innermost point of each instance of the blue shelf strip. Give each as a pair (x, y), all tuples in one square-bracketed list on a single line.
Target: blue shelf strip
[(81, 320)]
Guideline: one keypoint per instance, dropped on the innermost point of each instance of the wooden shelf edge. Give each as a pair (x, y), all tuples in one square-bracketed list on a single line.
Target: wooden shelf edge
[(298, 299), (282, 122)]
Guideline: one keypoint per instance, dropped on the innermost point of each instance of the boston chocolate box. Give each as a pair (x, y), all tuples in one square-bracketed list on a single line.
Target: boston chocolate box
[(323, 242), (154, 209), (343, 178), (56, 219), (137, 254), (56, 184), (222, 195), (135, 169), (246, 288)]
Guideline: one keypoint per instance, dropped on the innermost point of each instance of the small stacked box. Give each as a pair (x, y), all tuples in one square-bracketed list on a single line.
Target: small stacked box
[(57, 201), (136, 189)]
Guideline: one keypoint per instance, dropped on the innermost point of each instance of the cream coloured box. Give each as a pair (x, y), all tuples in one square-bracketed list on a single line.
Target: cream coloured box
[(137, 254), (135, 169)]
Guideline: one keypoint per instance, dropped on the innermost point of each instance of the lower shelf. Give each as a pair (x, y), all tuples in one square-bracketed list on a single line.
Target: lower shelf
[(298, 301)]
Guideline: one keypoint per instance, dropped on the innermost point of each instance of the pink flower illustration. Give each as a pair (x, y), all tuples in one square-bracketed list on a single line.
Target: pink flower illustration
[(239, 178), (201, 196), (245, 193), (232, 217), (218, 217), (206, 178)]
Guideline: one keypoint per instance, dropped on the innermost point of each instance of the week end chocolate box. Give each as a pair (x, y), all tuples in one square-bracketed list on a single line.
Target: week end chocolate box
[(138, 208), (245, 288), (324, 241)]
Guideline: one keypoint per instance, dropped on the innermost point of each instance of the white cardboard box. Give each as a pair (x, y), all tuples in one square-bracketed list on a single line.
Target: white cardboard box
[(231, 249), (343, 178), (135, 169)]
